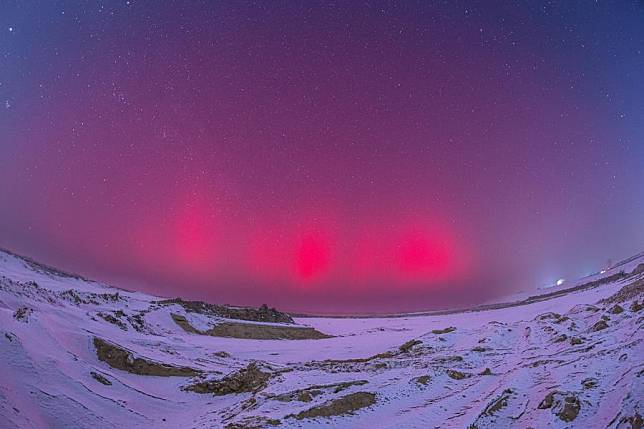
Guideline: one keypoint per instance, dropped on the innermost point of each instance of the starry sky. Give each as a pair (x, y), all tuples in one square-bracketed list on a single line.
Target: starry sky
[(323, 156)]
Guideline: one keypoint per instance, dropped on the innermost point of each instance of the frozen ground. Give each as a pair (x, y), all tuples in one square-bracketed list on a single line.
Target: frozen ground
[(76, 353)]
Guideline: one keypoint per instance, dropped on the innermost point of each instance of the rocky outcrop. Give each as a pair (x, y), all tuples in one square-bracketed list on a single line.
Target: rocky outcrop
[(344, 405), (564, 405), (249, 379), (120, 358), (261, 314), (253, 331)]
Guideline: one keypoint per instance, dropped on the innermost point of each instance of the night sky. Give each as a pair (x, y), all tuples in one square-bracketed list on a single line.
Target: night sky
[(340, 157)]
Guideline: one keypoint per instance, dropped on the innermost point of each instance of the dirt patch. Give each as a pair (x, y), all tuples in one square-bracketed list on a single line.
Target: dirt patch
[(345, 405), (122, 359), (251, 331), (249, 379)]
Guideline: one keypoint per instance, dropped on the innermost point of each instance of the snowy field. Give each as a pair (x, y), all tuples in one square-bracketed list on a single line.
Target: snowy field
[(77, 353)]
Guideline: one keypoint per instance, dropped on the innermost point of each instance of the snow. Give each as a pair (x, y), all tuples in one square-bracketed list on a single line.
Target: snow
[(47, 357)]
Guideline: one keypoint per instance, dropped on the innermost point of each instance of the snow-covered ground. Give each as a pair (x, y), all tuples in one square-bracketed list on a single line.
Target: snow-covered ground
[(567, 360)]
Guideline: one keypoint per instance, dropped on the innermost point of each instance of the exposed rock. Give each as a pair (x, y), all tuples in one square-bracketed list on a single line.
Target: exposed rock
[(574, 341), (422, 380), (261, 314), (249, 379), (265, 332), (122, 359), (457, 375), (409, 345), (22, 314), (634, 422), (636, 306), (101, 379), (486, 371), (254, 422), (443, 331), (600, 325), (480, 349), (561, 338), (547, 401), (566, 406), (498, 403), (253, 331), (113, 320), (631, 291), (221, 354), (616, 309), (336, 407), (307, 394), (638, 270), (589, 383)]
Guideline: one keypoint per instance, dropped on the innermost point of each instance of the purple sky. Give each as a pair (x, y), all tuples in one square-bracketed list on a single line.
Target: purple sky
[(355, 156)]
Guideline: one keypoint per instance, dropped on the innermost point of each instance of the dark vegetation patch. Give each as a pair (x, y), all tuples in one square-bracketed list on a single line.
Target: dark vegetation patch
[(344, 405), (120, 358), (249, 379), (261, 314)]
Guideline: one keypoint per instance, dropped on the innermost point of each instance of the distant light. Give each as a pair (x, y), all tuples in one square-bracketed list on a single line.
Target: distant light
[(11, 29), (602, 271), (560, 282)]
